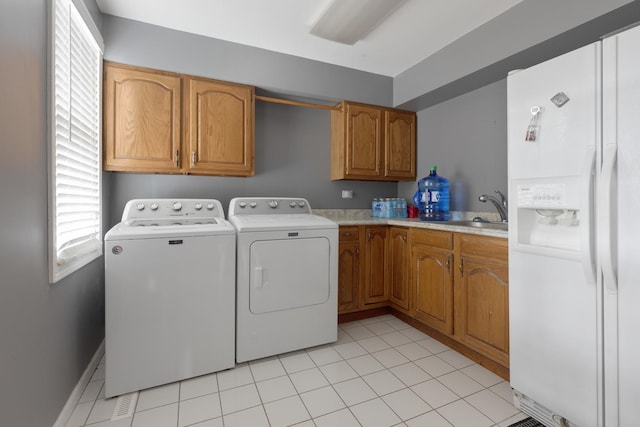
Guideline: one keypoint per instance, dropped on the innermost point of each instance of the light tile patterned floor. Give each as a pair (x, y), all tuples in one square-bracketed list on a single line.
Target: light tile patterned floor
[(380, 372)]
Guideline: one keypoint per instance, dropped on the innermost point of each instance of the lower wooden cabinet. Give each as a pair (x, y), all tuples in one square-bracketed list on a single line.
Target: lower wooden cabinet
[(399, 268), (456, 284), (363, 272), (482, 296), (432, 279), (349, 269), (376, 271)]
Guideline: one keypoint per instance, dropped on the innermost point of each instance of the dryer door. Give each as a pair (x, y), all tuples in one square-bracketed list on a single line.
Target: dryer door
[(290, 273)]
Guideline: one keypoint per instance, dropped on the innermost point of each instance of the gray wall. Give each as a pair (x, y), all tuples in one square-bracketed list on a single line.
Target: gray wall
[(466, 138), (292, 143), (529, 33), (136, 43), (460, 91), (48, 333), (292, 160)]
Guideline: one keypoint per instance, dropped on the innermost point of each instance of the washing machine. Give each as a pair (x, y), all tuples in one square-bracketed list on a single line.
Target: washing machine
[(286, 277), (169, 293)]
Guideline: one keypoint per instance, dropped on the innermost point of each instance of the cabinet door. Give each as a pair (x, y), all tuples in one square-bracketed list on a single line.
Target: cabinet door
[(482, 307), (141, 120), (400, 145), (399, 265), (364, 141), (220, 128), (376, 271), (348, 276), (431, 278)]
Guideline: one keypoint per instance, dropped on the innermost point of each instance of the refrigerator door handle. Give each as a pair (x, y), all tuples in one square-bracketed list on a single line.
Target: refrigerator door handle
[(587, 226), (606, 194)]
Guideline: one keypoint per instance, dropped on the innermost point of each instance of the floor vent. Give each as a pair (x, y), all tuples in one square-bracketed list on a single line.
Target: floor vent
[(125, 406), (527, 422)]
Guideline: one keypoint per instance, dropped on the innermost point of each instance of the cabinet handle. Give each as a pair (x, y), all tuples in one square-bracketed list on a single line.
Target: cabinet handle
[(193, 158), (177, 158), (347, 234), (448, 262), (461, 266), (358, 251)]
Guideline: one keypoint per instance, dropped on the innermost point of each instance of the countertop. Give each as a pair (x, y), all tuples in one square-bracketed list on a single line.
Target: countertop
[(363, 217)]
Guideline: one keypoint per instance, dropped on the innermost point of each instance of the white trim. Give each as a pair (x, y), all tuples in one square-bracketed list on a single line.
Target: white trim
[(88, 20), (74, 397)]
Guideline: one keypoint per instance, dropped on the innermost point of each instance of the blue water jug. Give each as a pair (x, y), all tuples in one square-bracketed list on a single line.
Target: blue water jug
[(432, 197)]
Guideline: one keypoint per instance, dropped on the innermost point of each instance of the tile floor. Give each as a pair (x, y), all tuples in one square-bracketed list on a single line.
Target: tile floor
[(380, 372)]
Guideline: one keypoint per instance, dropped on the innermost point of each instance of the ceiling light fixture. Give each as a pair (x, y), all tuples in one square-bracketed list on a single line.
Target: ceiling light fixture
[(347, 21)]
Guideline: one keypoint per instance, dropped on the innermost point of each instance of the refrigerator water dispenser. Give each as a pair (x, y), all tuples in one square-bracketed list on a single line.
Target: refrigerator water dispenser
[(552, 228), (548, 216)]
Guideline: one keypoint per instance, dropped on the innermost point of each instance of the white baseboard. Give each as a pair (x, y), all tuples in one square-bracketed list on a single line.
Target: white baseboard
[(74, 397)]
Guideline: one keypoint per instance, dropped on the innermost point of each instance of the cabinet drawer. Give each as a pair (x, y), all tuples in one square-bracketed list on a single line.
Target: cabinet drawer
[(484, 246), (433, 238), (350, 233)]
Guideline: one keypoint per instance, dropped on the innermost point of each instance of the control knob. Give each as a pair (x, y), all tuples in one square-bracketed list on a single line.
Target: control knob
[(210, 206), (198, 206), (154, 206), (273, 204), (140, 206), (242, 204), (176, 206)]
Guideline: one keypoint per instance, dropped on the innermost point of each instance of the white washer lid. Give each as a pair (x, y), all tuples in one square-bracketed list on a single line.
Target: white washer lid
[(244, 223)]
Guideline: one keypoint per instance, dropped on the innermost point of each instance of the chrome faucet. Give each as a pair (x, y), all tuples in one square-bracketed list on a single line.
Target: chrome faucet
[(501, 205)]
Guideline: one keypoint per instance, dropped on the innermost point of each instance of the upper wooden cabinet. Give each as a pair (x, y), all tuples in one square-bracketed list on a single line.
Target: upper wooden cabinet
[(142, 120), (161, 122), (372, 143), (400, 145), (220, 128)]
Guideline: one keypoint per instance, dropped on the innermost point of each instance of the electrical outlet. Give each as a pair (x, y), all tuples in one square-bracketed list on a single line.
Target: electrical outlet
[(347, 194)]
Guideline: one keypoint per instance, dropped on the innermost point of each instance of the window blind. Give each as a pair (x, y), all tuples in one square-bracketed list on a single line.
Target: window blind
[(76, 174)]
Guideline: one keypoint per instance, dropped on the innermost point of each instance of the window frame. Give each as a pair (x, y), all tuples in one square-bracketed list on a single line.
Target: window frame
[(87, 252)]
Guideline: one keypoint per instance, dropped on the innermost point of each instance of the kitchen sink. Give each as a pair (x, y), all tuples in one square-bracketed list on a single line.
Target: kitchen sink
[(493, 225)]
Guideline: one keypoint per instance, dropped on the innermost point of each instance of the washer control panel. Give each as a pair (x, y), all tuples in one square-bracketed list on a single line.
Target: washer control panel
[(171, 208), (268, 206)]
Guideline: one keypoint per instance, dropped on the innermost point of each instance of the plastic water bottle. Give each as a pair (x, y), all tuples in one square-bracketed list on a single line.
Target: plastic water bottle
[(432, 197), (387, 207), (376, 208), (401, 209)]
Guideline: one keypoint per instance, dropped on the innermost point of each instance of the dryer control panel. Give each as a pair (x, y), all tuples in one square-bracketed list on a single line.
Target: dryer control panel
[(268, 206)]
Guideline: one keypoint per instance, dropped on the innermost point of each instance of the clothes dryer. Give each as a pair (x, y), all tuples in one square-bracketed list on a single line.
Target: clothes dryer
[(287, 276)]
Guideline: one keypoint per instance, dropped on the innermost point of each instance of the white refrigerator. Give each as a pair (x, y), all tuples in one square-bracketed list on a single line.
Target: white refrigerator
[(574, 235)]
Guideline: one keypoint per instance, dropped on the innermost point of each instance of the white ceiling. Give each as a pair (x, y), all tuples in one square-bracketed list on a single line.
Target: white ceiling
[(415, 31)]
